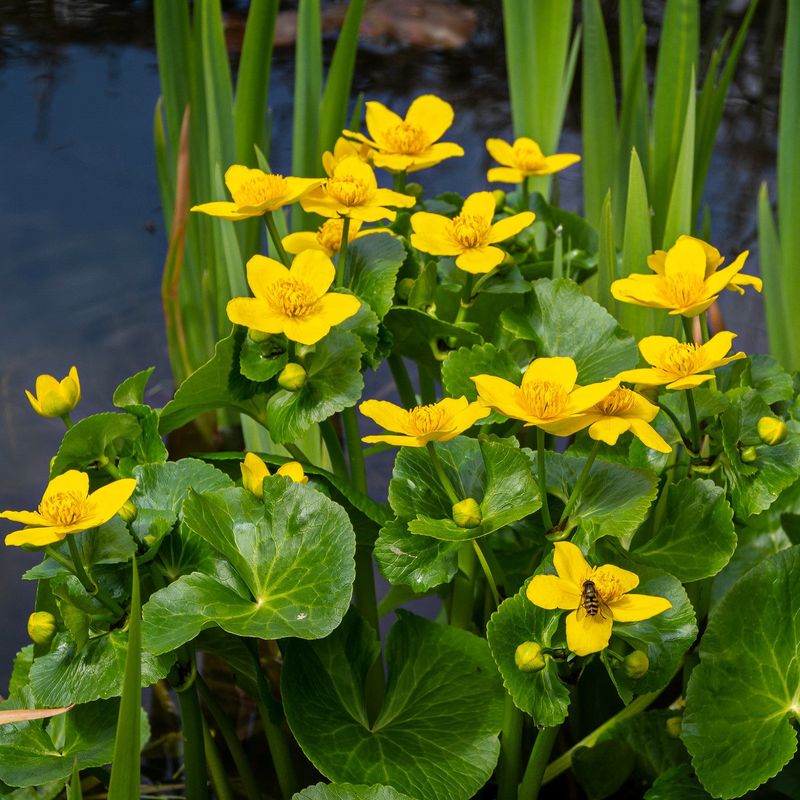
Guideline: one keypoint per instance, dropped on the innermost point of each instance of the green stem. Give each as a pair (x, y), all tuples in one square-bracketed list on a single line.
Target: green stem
[(510, 749), (564, 762), (427, 386), (478, 285), (693, 421), (464, 588), (355, 453), (548, 520), (296, 453), (580, 483), (465, 302), (272, 229), (194, 755), (444, 479), (402, 380), (226, 728), (704, 327), (526, 193), (66, 419), (400, 179), (216, 769), (675, 421), (109, 467), (366, 602), (533, 778), (91, 587), (487, 572), (334, 447), (341, 263)]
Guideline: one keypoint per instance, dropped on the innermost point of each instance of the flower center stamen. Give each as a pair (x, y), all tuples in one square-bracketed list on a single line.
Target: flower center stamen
[(618, 402), (258, 189), (684, 289), (606, 585), (62, 508), (348, 190), (469, 230), (329, 234), (681, 359), (544, 398), (526, 158), (426, 419), (407, 139), (291, 297)]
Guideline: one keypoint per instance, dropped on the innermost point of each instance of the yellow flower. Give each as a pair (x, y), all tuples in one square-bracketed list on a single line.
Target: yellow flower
[(680, 365), (327, 238), (590, 632), (254, 470), (343, 149), (470, 235), (56, 398), (352, 191), (67, 507), (523, 159), (548, 394), (410, 144), (685, 282), (255, 193), (714, 260), (623, 410), (292, 301), (438, 422)]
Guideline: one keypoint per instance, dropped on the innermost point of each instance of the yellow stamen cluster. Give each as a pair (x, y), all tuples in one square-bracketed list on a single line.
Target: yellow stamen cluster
[(684, 289), (407, 139), (292, 297), (527, 157), (425, 419), (62, 508), (545, 399), (606, 585), (470, 230), (618, 402), (348, 190), (329, 234), (681, 359), (259, 187)]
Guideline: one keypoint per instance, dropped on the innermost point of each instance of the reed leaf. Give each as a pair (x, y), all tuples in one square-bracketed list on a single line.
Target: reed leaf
[(779, 322), (679, 212)]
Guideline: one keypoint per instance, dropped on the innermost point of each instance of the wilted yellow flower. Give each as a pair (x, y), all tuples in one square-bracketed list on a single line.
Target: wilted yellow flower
[(327, 238), (254, 470), (680, 365), (683, 284), (410, 144), (548, 395), (255, 193), (56, 398), (622, 410), (524, 159), (471, 235), (437, 422), (343, 149), (657, 262), (352, 191), (67, 507), (596, 596), (292, 301)]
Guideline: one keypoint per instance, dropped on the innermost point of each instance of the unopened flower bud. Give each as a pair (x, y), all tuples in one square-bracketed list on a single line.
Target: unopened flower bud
[(467, 513), (636, 664), (56, 398), (772, 430), (41, 627), (414, 189), (674, 725), (748, 454), (149, 539), (404, 288), (529, 657), (292, 377), (257, 336), (499, 199), (128, 511)]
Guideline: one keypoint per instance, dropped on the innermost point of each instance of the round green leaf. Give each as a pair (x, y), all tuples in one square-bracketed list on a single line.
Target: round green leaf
[(540, 694), (696, 538), (260, 361), (745, 693), (334, 383), (374, 262), (348, 791), (677, 783), (290, 561), (426, 741), (460, 365)]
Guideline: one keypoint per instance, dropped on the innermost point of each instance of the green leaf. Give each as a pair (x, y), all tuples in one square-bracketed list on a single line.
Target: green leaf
[(291, 567), (496, 475), (696, 538), (260, 361), (425, 735), (602, 769), (131, 391), (21, 669), (334, 383), (348, 791), (565, 322), (413, 560), (30, 757), (374, 262), (677, 783), (162, 488), (743, 696), (540, 694), (613, 502), (68, 674), (679, 211), (93, 438)]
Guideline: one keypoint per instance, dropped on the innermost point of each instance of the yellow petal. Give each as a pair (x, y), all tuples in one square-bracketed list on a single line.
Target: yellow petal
[(305, 240), (624, 578), (36, 537), (741, 280), (293, 470), (641, 409), (586, 634), (467, 417), (501, 152), (386, 197), (379, 119), (25, 517), (557, 162), (71, 482), (569, 425), (479, 204), (236, 175), (431, 234), (656, 261), (297, 187), (558, 369), (571, 565), (585, 397), (386, 414), (643, 290), (689, 382), (653, 348), (254, 314), (335, 308), (694, 309), (501, 395), (371, 213), (103, 503), (226, 210), (394, 162), (431, 114), (315, 269), (397, 441), (609, 429), (434, 155), (262, 272), (717, 281), (353, 167), (648, 435), (716, 348), (636, 607), (45, 384), (529, 145), (254, 470), (320, 202), (34, 402), (647, 377), (686, 256), (504, 175), (306, 330), (510, 226), (71, 387), (549, 591), (479, 260)]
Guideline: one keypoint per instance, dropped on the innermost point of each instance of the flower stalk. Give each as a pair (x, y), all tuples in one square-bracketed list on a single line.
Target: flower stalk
[(542, 478), (580, 483), (341, 264), (272, 229), (535, 771)]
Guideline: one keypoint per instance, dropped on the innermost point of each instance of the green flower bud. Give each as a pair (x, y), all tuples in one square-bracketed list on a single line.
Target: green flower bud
[(674, 725), (499, 199), (414, 189), (404, 288), (149, 540), (292, 377), (467, 513), (748, 454), (257, 336), (529, 657), (772, 430), (636, 664), (41, 627), (128, 511)]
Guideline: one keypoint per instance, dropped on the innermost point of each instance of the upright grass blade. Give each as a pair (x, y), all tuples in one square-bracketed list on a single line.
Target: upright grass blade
[(679, 212), (74, 790), (598, 113), (677, 58), (126, 766), (779, 321), (607, 258)]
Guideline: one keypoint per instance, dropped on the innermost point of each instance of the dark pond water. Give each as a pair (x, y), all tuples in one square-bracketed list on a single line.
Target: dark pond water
[(81, 238)]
